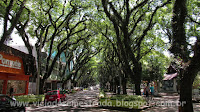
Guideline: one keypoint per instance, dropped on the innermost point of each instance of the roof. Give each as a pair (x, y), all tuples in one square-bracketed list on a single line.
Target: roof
[(24, 49), (170, 76)]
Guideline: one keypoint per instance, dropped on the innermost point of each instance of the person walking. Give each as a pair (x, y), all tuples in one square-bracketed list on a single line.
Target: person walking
[(147, 91), (152, 91), (11, 91)]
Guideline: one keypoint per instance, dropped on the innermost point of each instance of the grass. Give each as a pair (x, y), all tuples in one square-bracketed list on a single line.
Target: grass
[(30, 98), (85, 89), (125, 101), (73, 91)]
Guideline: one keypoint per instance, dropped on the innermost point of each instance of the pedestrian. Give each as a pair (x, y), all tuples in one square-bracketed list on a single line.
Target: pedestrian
[(152, 90), (11, 91), (147, 91)]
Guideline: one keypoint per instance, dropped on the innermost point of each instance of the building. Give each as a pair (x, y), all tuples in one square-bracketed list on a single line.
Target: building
[(59, 72), (15, 69), (170, 80), (55, 81)]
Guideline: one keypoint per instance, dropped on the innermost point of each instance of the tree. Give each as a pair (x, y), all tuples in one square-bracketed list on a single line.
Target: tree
[(58, 26), (154, 66), (82, 55), (11, 11), (188, 58), (110, 69), (87, 75), (16, 14), (131, 24)]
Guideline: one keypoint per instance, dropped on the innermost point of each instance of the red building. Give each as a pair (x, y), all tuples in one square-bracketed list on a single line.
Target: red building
[(14, 71)]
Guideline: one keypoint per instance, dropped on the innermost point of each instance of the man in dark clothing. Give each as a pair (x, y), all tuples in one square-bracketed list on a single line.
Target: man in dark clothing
[(11, 91)]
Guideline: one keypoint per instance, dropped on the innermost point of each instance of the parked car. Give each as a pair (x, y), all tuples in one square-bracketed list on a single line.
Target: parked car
[(6, 105), (55, 95)]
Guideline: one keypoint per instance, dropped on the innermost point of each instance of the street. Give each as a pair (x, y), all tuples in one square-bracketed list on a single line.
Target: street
[(81, 101), (87, 101)]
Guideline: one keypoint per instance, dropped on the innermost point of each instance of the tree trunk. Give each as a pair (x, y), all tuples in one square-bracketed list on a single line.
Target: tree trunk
[(186, 94), (41, 89), (137, 79), (124, 82), (116, 83), (189, 66), (137, 88), (63, 85), (72, 84), (187, 78), (114, 88), (111, 86), (75, 84)]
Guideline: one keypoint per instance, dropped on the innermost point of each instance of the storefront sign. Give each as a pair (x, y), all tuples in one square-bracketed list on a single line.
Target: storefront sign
[(10, 64)]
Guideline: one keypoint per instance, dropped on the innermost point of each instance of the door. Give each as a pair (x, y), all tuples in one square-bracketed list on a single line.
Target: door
[(1, 86)]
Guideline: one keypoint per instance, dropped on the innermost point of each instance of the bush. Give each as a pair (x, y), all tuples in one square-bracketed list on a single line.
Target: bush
[(73, 91), (30, 98), (127, 97), (85, 89)]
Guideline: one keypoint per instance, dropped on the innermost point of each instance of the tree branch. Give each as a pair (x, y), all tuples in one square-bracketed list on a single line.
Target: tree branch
[(191, 19)]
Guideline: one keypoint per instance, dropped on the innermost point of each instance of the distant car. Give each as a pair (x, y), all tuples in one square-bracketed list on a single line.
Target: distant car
[(55, 95), (81, 88), (76, 89), (91, 88), (6, 105)]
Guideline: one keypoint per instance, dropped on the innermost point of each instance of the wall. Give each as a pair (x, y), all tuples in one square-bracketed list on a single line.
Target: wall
[(32, 88)]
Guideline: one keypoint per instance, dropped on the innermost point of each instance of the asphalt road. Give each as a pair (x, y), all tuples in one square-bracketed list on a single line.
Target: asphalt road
[(82, 101), (87, 101)]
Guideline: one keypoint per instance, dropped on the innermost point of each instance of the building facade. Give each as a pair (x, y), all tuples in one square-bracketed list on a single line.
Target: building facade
[(15, 70), (170, 80)]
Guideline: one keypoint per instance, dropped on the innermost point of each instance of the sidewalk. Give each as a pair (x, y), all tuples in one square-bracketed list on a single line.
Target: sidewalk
[(196, 107), (167, 102), (167, 98)]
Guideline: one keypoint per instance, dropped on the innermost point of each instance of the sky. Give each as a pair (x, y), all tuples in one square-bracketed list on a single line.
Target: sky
[(17, 41)]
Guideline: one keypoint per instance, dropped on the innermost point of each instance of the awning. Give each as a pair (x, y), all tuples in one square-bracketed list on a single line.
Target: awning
[(170, 76)]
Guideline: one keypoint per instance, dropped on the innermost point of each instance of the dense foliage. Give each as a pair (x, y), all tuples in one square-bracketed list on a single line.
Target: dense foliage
[(115, 41)]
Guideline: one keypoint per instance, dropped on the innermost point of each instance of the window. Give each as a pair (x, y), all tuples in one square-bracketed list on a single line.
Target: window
[(19, 86), (52, 93)]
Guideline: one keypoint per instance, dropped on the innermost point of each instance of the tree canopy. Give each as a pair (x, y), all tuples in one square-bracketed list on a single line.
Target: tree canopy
[(113, 41)]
